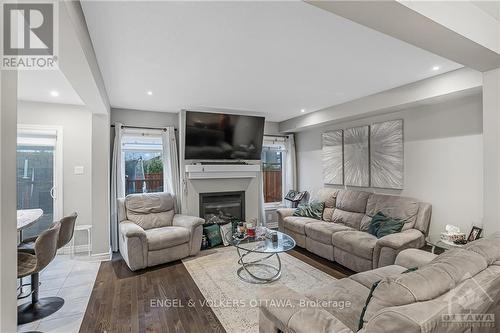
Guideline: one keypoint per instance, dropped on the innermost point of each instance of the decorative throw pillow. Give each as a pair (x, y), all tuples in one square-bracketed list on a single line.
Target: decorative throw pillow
[(382, 225), (375, 223), (212, 232), (389, 226), (313, 210)]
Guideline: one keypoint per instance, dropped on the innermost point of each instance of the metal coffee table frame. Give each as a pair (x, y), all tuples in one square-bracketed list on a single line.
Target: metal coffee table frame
[(287, 243), (257, 263)]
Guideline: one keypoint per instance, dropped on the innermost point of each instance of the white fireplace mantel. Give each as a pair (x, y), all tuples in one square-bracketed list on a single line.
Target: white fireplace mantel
[(214, 171)]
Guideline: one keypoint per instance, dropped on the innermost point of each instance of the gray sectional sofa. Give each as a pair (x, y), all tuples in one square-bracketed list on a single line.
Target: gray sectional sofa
[(457, 291), (342, 235)]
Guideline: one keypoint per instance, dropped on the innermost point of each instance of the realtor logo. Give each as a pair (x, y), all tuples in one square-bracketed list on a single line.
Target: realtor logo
[(29, 35)]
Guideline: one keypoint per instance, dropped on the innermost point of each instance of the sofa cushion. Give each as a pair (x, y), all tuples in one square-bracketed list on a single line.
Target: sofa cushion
[(337, 295), (150, 210), (297, 223), (329, 197), (352, 201), (350, 219), (359, 243), (401, 208), (165, 237), (322, 231)]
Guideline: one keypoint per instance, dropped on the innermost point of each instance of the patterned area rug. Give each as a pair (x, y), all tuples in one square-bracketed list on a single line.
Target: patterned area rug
[(234, 301)]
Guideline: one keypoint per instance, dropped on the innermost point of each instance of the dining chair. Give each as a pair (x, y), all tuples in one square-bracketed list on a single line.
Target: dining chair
[(65, 234), (30, 264)]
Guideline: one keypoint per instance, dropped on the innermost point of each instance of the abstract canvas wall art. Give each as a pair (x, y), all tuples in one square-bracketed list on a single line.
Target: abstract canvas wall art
[(387, 154), (357, 156), (333, 157)]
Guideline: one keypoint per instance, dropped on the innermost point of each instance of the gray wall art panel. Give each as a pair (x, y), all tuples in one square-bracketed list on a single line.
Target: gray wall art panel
[(357, 156), (333, 157), (387, 154)]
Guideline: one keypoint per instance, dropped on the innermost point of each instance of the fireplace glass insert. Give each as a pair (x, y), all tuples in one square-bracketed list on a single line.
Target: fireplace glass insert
[(222, 207)]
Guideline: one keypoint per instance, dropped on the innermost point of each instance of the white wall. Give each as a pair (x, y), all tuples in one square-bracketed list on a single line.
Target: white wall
[(144, 118), (443, 159), (100, 185), (76, 123), (8, 230), (491, 141)]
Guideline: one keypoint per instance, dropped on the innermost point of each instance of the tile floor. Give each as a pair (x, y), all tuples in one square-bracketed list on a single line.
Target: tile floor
[(73, 280)]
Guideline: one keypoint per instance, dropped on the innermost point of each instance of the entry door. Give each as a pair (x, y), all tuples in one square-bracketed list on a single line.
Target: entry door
[(38, 175)]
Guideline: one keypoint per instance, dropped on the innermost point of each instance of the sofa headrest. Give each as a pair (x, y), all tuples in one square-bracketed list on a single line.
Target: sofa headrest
[(352, 201), (146, 203), (432, 280), (326, 195), (488, 247), (393, 206)]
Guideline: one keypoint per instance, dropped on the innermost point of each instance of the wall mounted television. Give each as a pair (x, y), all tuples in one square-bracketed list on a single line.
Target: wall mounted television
[(218, 136)]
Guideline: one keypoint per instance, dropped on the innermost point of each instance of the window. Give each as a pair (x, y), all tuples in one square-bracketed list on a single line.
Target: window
[(143, 161), (273, 156), (39, 172)]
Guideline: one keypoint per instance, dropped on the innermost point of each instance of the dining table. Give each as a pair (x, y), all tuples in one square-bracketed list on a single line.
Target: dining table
[(26, 217)]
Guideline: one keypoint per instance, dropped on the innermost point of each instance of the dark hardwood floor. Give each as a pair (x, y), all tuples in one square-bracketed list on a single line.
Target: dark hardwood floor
[(125, 301)]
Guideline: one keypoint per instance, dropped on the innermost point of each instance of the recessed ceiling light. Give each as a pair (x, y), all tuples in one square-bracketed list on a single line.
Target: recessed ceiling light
[(150, 93), (54, 93), (436, 68), (302, 110)]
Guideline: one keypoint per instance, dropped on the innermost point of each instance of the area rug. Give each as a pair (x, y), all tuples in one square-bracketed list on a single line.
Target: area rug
[(234, 301)]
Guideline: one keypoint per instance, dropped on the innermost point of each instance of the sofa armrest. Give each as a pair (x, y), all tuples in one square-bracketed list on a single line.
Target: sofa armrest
[(411, 258), (388, 247), (195, 226), (401, 240), (130, 229), (186, 221), (133, 245), (282, 213)]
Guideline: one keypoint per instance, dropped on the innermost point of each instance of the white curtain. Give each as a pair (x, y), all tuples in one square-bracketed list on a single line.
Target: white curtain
[(262, 210), (171, 177), (117, 184), (290, 164)]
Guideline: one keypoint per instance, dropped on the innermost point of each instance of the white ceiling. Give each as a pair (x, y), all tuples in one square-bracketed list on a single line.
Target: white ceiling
[(272, 58), (37, 85), (489, 7)]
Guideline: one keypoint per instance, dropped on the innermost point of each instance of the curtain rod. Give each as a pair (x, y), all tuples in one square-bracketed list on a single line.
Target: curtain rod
[(276, 136), (142, 127)]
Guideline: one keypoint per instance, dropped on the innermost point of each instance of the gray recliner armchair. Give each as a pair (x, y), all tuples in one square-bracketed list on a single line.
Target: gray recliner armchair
[(150, 233)]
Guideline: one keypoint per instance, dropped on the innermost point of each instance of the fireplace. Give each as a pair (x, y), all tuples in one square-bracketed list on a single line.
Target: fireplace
[(218, 207)]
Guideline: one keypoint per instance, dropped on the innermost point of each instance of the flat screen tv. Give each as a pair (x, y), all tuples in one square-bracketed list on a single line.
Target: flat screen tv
[(217, 136)]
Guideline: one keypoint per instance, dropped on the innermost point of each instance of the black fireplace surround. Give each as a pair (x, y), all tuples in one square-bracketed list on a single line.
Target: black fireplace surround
[(222, 204)]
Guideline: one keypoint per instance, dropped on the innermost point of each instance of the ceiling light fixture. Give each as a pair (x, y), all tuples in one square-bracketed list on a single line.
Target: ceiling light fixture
[(150, 93), (54, 93), (436, 68), (302, 110)]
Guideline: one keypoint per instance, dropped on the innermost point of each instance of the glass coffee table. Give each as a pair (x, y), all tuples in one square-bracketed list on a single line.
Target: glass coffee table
[(262, 249)]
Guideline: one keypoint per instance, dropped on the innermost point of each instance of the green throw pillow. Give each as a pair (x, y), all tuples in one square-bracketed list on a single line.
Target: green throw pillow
[(313, 210), (382, 225), (389, 226), (212, 232), (375, 223), (370, 295)]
